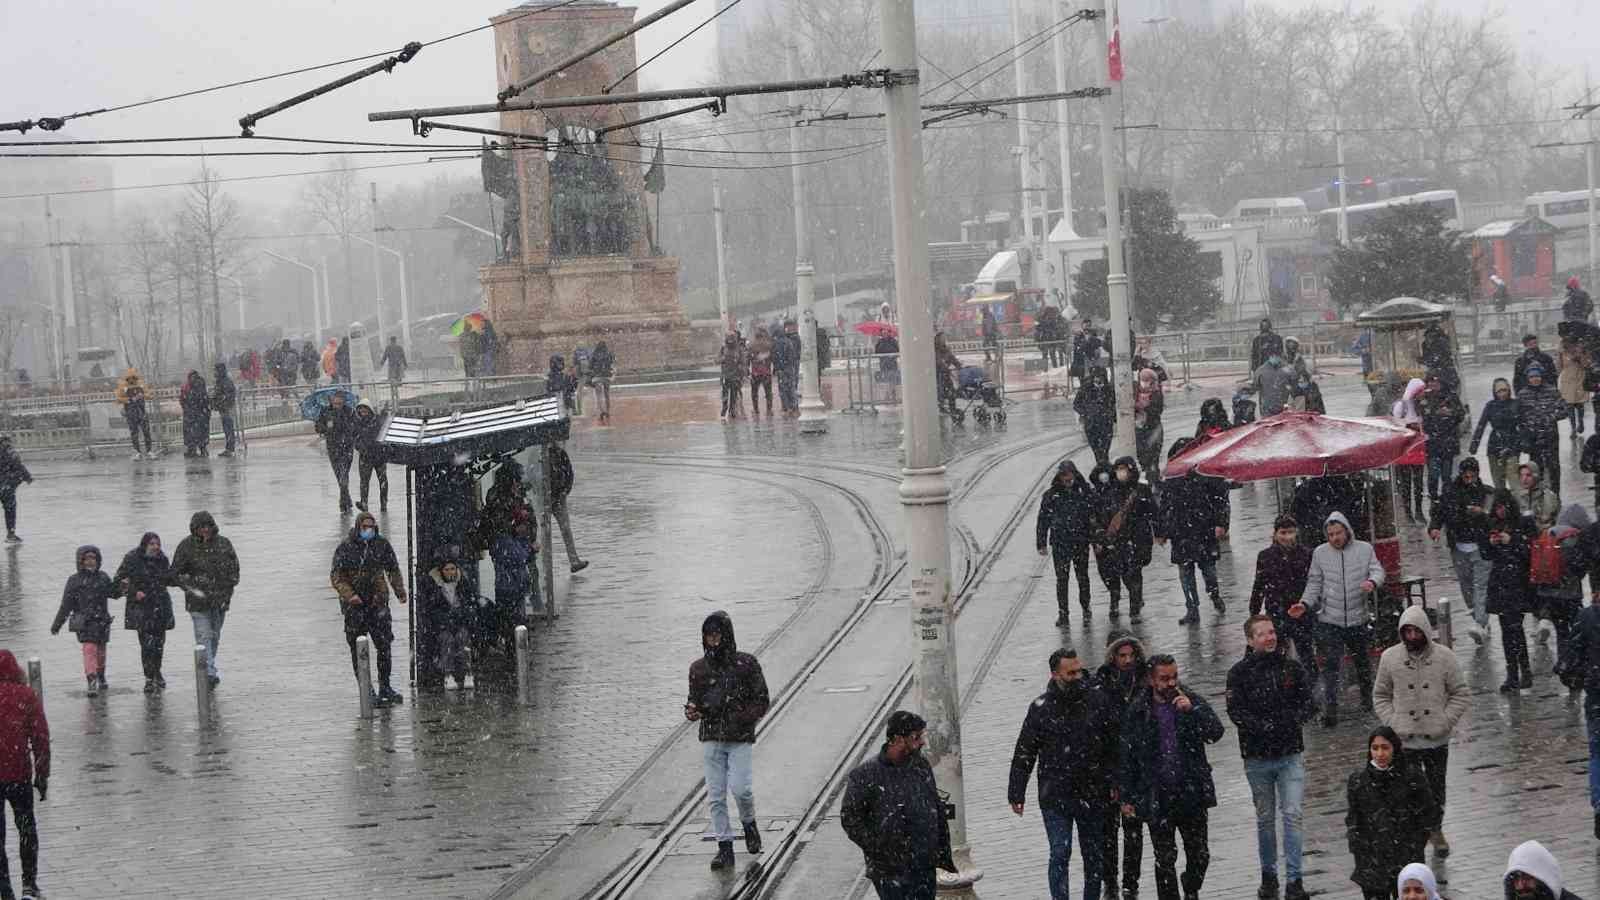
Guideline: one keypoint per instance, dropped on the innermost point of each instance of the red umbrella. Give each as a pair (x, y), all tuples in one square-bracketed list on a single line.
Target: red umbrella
[(878, 329), (1297, 444)]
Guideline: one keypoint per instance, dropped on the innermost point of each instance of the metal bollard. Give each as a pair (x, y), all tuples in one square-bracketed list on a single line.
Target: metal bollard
[(1446, 632), (202, 683), (364, 674), (36, 676), (524, 652)]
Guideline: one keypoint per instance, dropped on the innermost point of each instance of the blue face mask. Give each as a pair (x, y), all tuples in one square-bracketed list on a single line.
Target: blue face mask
[(368, 534)]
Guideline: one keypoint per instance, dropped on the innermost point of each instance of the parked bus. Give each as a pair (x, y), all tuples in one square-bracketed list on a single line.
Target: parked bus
[(1563, 209), (1268, 208), (1362, 215)]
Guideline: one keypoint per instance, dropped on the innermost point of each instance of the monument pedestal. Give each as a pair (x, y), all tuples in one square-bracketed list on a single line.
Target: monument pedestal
[(543, 309)]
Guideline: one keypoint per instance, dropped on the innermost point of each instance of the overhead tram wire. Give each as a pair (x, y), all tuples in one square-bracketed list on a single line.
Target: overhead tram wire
[(235, 178)]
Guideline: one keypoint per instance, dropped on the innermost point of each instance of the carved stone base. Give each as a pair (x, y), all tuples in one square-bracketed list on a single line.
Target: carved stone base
[(540, 310)]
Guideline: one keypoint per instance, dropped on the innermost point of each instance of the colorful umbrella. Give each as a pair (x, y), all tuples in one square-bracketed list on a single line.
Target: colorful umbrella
[(1294, 444), (475, 321), (320, 399), (878, 329)]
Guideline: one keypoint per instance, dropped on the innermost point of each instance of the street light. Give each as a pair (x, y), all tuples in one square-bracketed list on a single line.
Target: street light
[(316, 303), (405, 299), (238, 286), (483, 231)]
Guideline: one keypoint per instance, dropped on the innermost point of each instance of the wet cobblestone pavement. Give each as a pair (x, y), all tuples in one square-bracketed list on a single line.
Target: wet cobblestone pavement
[(289, 794)]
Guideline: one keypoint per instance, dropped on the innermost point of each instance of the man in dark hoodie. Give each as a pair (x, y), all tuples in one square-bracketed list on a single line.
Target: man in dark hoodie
[(1577, 307), (1124, 533), (364, 571), (1067, 732), (1463, 514), (1265, 344), (339, 431), (727, 696), (224, 400), (367, 426), (1280, 581), (1540, 410), (1063, 532), (207, 569), (24, 768), (12, 474), (1269, 698), (1581, 669), (893, 812), (1119, 680)]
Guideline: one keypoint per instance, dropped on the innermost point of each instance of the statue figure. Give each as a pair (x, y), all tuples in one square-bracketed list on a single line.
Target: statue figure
[(500, 177), (590, 214)]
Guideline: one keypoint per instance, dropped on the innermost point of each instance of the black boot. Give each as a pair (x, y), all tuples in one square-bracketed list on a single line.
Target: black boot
[(724, 857), (1063, 618), (388, 696), (1269, 887), (1527, 673), (1216, 602), (1511, 685), (1294, 890), (752, 838), (1330, 715)]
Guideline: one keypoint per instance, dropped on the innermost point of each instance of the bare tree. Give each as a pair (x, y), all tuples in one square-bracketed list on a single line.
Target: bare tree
[(209, 220), (334, 200), (146, 266)]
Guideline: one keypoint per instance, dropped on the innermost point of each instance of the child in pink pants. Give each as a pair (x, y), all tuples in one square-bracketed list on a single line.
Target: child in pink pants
[(86, 612)]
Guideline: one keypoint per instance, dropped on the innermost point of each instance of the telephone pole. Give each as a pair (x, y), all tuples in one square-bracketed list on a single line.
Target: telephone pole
[(813, 414)]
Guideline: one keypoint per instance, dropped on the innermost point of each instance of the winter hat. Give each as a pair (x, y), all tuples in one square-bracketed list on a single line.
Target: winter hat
[(1421, 874), (1533, 370), (1572, 283), (1117, 636)]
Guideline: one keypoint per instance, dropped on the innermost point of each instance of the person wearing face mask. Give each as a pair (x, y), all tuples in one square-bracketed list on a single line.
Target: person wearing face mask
[(1096, 406), (143, 577), (1123, 531), (892, 811), (1421, 694), (364, 572), (85, 611), (1505, 444), (337, 425), (727, 697), (1062, 532), (1508, 595), (1269, 698), (1164, 778), (447, 611), (207, 569), (1387, 817), (1416, 882), (1272, 382), (1344, 571), (1193, 515), (1463, 514), (1532, 873), (1066, 732), (1540, 409), (1119, 680)]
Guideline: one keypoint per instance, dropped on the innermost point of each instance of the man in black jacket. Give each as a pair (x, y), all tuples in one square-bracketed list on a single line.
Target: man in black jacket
[(1124, 533), (892, 811), (365, 571), (1119, 681), (12, 474), (1280, 581), (337, 425), (1463, 514), (727, 696), (1531, 356), (1580, 668), (1165, 778), (224, 400), (1067, 733), (1270, 698), (1063, 532), (370, 463), (560, 486)]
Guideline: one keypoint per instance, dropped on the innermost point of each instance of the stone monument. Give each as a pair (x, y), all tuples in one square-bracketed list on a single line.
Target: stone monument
[(577, 264)]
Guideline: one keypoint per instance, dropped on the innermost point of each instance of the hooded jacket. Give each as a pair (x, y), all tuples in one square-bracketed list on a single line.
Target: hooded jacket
[(1138, 778), (1388, 816), (207, 571), (1531, 858), (1280, 578), (1213, 419), (12, 470), (1117, 687), (1538, 503), (194, 401), (1508, 563), (760, 353), (1128, 549), (727, 687), (24, 733), (1067, 733), (1519, 369), (1065, 513), (224, 395), (1269, 697), (1273, 385), (365, 431), (1190, 511), (1096, 402), (1563, 600), (365, 571), (339, 429), (1577, 307), (1405, 409), (1442, 415), (1539, 410), (149, 575), (561, 475), (1504, 440), (1420, 873), (1422, 696), (892, 811), (1452, 514), (1333, 583), (1264, 344), (86, 600)]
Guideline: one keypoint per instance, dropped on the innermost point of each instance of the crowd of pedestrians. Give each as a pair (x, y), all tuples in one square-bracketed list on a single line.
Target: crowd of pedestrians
[(771, 352)]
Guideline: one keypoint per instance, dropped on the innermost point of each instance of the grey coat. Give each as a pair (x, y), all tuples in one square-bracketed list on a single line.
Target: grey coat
[(1333, 584)]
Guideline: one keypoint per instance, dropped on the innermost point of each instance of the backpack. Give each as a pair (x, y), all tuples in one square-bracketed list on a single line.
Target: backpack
[(1545, 565)]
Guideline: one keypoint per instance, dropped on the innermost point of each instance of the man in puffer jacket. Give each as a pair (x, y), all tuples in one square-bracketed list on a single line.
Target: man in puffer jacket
[(1532, 873), (1344, 571), (1422, 695), (206, 567), (727, 696), (364, 571), (24, 767)]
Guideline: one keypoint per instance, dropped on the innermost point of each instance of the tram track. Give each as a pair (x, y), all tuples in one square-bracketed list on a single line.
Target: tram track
[(629, 879)]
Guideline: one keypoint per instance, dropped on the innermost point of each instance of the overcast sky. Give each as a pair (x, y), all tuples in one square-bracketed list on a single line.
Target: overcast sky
[(66, 57)]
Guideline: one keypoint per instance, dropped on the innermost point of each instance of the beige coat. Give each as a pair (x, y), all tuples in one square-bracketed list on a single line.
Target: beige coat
[(1422, 696), (1570, 382)]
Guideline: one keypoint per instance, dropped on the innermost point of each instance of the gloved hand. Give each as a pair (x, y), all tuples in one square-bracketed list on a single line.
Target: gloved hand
[(41, 785)]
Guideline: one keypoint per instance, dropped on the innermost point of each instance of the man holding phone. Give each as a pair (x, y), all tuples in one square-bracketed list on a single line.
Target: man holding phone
[(727, 696), (1343, 573), (1463, 514)]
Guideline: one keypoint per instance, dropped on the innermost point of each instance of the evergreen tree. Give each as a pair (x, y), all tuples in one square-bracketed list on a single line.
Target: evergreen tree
[(1407, 252), (1174, 284)]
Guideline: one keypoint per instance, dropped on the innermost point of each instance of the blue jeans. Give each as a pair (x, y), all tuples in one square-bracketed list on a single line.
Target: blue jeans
[(1441, 469), (1591, 717), (208, 633), (1191, 593), (1278, 784), (1472, 574), (727, 765), (908, 887), (227, 430), (1058, 823)]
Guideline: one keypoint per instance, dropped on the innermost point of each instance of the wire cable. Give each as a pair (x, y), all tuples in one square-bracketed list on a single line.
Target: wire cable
[(685, 36), (236, 178)]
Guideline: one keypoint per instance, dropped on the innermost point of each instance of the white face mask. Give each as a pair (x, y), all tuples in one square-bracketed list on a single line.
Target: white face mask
[(1104, 478)]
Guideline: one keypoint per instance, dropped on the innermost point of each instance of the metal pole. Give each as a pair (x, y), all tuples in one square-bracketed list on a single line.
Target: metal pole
[(924, 489), (547, 545), (1344, 213), (523, 654), (1116, 276), (1594, 223), (1064, 147), (848, 80), (36, 676), (557, 68), (327, 303), (202, 685), (377, 267), (405, 304), (364, 674), (1019, 74), (722, 264), (1446, 628), (813, 414)]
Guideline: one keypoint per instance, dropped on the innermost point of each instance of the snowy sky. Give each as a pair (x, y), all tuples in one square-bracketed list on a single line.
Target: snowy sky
[(65, 57)]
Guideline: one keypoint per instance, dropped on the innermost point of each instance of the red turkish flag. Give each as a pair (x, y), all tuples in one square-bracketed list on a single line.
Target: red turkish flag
[(1114, 51)]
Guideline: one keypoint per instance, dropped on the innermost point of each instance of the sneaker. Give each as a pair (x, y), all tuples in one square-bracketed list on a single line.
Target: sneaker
[(1511, 685), (1062, 619), (391, 697), (724, 857), (213, 680), (1295, 891), (1269, 887), (93, 688), (149, 685), (361, 505), (1330, 717), (1134, 619), (1475, 632), (32, 892), (161, 682), (752, 838), (137, 455), (579, 566), (11, 538), (1217, 604), (104, 684), (226, 453), (1546, 629)]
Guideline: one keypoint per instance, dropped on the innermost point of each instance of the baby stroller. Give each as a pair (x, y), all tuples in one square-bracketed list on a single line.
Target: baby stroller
[(982, 397)]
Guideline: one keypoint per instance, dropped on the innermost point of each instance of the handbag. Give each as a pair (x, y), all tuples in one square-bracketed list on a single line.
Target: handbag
[(75, 622)]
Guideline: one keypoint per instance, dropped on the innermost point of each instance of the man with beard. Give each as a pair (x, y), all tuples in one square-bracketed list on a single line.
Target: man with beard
[(1343, 572), (1119, 681), (1422, 695), (1532, 873), (727, 696), (1067, 734)]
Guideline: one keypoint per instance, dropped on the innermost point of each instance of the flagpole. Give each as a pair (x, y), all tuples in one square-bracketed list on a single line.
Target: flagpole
[(1116, 274)]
